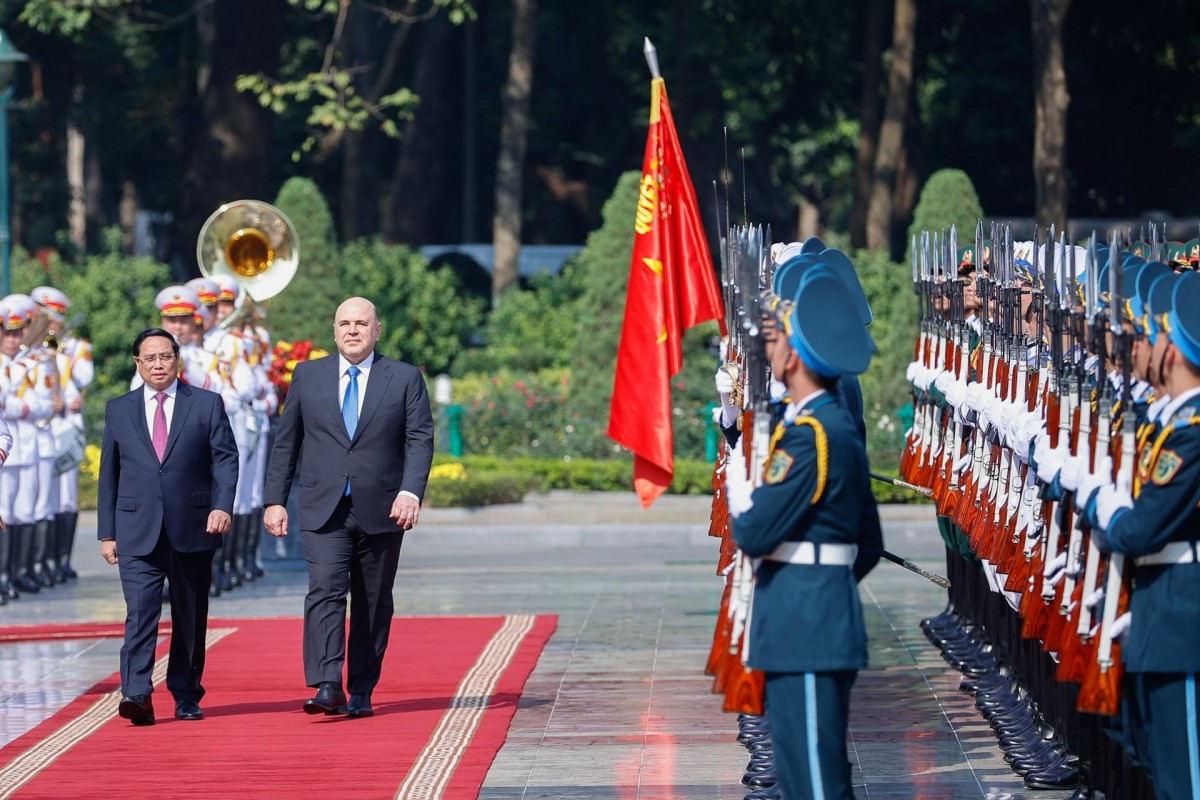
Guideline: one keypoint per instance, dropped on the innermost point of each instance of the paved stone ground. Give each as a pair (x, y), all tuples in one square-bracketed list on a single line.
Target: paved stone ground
[(618, 706)]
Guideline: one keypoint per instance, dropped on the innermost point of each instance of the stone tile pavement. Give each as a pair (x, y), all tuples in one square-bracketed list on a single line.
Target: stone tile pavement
[(618, 706)]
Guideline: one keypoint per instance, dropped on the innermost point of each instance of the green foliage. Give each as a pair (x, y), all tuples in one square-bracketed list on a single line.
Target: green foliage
[(305, 309), (579, 474), (479, 489), (530, 330), (116, 295), (333, 104), (947, 198), (426, 317), (512, 413), (889, 289)]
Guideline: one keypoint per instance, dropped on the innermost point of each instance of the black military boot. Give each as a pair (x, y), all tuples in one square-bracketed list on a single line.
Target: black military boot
[(42, 564), (7, 590), (214, 588), (68, 521), (229, 547), (256, 534), (240, 546), (23, 562)]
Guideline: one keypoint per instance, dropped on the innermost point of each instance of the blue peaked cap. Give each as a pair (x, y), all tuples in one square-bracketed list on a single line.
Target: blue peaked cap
[(1183, 321), (822, 325)]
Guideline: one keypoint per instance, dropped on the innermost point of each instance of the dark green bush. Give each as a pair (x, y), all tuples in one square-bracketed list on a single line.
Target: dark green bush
[(479, 489)]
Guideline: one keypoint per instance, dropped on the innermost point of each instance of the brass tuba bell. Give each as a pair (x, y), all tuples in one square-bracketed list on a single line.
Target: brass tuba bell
[(251, 242)]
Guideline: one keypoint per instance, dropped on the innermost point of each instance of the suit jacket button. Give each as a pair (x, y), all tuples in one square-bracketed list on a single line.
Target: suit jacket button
[(351, 450), (160, 472), (344, 477)]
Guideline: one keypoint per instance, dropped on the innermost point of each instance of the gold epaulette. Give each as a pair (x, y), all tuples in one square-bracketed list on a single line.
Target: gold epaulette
[(822, 450)]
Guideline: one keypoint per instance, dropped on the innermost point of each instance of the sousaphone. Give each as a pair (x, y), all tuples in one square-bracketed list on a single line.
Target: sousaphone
[(253, 243)]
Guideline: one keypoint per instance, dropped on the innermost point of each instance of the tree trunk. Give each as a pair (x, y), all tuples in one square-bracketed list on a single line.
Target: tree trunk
[(76, 206), (424, 185), (868, 129), (909, 169), (229, 149), (127, 210), (808, 222), (891, 132), (1050, 103), (510, 166)]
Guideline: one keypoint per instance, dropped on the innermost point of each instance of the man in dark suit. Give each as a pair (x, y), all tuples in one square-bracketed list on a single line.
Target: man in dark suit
[(359, 428), (168, 472)]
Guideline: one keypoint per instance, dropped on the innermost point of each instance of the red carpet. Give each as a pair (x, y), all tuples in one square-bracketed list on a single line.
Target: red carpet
[(78, 630), (449, 691)]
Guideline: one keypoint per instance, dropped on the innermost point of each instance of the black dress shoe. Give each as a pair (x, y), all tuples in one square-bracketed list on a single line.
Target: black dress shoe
[(1055, 776), (329, 700), (186, 709), (27, 584), (138, 709), (769, 793), (360, 706), (761, 780)]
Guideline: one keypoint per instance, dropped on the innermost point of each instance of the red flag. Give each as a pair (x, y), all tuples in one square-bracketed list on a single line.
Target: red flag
[(672, 287)]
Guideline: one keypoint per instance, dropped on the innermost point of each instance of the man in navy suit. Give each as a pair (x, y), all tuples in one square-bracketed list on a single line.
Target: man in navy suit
[(359, 430), (168, 472)]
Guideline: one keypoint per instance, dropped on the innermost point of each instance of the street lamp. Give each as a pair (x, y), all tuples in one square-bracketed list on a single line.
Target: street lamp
[(9, 57)]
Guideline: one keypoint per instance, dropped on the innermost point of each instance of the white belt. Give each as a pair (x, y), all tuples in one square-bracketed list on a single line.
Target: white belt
[(1173, 553), (838, 555)]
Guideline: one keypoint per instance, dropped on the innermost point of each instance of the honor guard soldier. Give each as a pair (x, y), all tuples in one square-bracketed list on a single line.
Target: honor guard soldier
[(6, 445), (24, 406), (265, 408), (1155, 523), (240, 391), (48, 382), (75, 369), (814, 525), (177, 306)]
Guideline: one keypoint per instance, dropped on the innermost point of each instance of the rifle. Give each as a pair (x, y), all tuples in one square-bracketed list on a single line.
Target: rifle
[(1101, 688), (744, 687)]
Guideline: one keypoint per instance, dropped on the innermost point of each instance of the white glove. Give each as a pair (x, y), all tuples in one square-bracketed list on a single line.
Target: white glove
[(1050, 462), (1121, 625), (737, 488), (1091, 481), (725, 386), (943, 382), (1073, 469), (956, 394), (962, 464), (1109, 500), (1041, 445), (977, 397), (911, 371), (1031, 429), (724, 381), (928, 378)]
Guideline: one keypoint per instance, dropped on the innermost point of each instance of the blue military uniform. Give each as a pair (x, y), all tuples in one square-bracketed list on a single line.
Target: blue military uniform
[(1157, 526), (814, 524)]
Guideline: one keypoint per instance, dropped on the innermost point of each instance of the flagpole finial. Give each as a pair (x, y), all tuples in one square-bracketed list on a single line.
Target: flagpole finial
[(651, 58)]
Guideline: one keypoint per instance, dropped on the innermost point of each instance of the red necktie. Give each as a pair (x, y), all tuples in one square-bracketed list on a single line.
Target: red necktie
[(160, 427)]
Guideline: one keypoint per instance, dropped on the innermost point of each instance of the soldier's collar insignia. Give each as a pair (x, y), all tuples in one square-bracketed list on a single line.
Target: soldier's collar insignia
[(1165, 467), (777, 468)]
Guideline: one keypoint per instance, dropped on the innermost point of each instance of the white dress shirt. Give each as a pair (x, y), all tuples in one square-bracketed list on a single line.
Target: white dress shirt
[(151, 403), (363, 376)]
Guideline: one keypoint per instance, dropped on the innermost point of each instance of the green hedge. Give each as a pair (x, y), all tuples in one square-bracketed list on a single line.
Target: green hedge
[(491, 480)]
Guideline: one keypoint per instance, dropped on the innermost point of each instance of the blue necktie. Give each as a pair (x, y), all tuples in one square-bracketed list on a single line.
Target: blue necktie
[(350, 408)]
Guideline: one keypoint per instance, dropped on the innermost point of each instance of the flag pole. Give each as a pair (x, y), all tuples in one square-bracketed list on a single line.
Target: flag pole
[(651, 58)]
